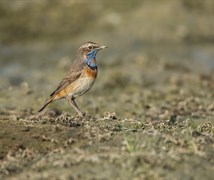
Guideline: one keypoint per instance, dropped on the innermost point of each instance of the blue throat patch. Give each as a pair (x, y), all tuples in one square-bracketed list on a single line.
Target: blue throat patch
[(90, 57)]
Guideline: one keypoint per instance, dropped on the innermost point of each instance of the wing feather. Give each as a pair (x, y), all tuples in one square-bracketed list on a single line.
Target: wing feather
[(74, 73)]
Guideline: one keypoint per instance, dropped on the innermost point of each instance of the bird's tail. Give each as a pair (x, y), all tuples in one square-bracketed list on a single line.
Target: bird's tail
[(44, 106)]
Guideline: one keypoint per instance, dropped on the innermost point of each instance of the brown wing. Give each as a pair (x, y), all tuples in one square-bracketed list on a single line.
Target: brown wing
[(74, 73)]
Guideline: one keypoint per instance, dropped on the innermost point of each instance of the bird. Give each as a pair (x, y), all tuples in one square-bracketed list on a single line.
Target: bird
[(80, 77)]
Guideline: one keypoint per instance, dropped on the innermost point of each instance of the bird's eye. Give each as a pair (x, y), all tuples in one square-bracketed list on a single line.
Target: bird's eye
[(90, 47)]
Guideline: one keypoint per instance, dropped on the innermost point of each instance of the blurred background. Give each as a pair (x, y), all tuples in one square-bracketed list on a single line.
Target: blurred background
[(151, 44)]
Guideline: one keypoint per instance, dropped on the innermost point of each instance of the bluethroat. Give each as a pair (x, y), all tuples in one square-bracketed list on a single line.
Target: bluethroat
[(80, 78)]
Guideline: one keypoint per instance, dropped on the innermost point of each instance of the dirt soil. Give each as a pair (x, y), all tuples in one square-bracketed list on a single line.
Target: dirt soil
[(150, 113)]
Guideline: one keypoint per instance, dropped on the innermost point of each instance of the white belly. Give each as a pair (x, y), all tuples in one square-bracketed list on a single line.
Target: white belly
[(81, 86)]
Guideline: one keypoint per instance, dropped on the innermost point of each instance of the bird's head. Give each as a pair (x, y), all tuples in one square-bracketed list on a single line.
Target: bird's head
[(89, 50)]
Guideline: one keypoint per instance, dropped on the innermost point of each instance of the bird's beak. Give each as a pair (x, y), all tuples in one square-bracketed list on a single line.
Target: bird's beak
[(102, 47)]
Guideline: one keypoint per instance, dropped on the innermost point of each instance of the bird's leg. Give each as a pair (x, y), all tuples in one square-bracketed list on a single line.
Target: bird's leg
[(74, 105)]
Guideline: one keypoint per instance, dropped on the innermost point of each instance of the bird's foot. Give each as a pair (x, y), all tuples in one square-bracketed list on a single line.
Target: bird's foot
[(81, 114)]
